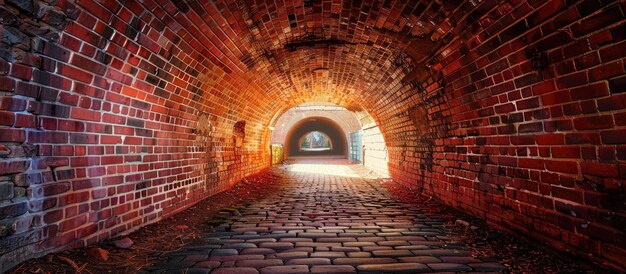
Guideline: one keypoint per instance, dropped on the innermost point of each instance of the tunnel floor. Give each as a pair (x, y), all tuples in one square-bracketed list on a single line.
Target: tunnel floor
[(316, 215), (327, 219)]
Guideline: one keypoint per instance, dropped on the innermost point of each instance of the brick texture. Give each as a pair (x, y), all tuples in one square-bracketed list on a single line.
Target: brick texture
[(115, 114), (536, 155)]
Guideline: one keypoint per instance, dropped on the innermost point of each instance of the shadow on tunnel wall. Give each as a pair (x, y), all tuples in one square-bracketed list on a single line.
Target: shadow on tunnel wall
[(321, 124)]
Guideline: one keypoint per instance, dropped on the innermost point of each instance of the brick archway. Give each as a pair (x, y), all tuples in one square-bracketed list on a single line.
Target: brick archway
[(116, 114), (321, 124)]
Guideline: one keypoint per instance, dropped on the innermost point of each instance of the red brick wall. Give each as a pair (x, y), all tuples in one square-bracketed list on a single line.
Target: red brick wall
[(541, 156), (113, 116)]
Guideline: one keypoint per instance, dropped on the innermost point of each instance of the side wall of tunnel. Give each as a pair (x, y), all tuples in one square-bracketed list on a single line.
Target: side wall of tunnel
[(375, 155), (112, 117), (534, 145)]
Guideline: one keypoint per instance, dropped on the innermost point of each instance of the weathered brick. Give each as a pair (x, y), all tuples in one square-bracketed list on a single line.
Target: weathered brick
[(618, 84), (594, 122), (27, 6), (153, 97), (6, 190), (13, 209), (597, 21), (613, 136)]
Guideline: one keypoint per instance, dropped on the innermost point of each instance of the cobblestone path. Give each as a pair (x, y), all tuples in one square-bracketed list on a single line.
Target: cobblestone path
[(327, 219)]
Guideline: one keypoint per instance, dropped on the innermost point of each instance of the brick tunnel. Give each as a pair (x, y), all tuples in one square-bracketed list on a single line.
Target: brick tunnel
[(118, 114)]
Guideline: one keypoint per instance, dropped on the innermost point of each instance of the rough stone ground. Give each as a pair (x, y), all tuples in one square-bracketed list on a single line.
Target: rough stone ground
[(317, 216), (330, 218)]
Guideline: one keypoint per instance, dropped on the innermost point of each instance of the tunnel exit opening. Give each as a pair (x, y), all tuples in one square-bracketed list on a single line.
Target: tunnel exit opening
[(315, 141), (326, 131), (299, 144)]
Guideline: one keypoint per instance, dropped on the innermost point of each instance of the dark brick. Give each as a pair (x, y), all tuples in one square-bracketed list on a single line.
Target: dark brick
[(135, 122), (15, 37), (618, 84), (614, 136), (6, 190), (56, 19), (530, 127), (7, 17), (597, 21), (527, 80), (24, 5), (13, 209), (551, 8)]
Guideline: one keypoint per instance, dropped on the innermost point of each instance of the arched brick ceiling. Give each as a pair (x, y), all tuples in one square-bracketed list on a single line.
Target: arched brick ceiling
[(151, 96), (276, 46)]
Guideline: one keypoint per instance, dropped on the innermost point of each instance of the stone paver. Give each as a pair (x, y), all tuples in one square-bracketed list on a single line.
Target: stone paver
[(235, 270), (399, 268), (287, 269), (309, 261), (334, 269), (327, 219)]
